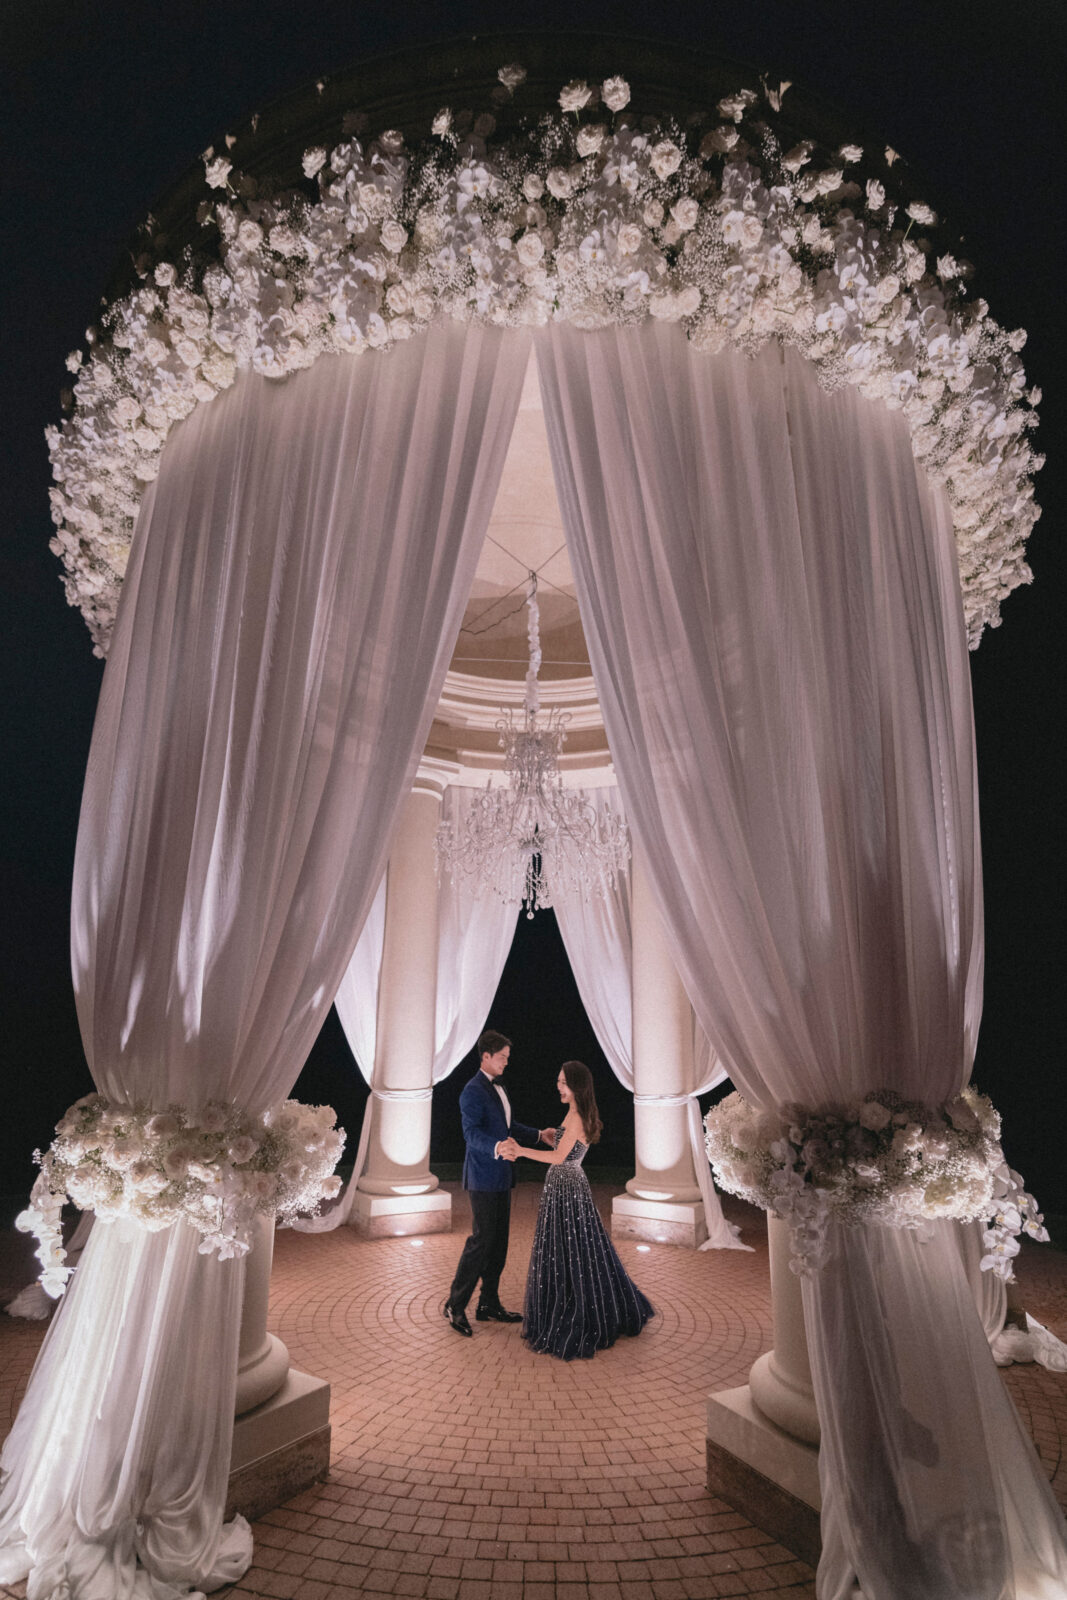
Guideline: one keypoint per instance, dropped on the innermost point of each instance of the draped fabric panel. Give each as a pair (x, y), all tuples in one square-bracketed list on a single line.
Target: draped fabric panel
[(597, 935), (296, 584), (474, 934), (770, 596)]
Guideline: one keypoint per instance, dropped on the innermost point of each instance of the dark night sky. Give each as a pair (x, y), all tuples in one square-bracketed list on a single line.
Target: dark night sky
[(104, 105)]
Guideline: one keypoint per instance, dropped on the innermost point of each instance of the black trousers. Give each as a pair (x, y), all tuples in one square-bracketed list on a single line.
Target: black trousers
[(486, 1250)]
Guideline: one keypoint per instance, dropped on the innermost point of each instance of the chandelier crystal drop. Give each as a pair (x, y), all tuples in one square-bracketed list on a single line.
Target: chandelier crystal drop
[(532, 840)]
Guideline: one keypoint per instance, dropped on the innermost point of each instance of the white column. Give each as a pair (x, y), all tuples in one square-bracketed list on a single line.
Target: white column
[(763, 1438), (281, 1435), (662, 1201), (780, 1380), (262, 1359), (398, 1194)]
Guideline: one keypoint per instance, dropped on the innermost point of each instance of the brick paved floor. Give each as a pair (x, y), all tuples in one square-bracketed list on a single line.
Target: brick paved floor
[(473, 1470)]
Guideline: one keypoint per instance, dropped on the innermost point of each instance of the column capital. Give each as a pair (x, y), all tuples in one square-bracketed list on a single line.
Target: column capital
[(434, 776)]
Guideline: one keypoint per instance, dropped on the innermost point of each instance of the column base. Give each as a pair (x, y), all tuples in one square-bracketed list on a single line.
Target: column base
[(390, 1216), (764, 1473), (660, 1221), (280, 1447)]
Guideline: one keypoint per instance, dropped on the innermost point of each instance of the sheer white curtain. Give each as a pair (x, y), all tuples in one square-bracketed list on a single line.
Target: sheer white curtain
[(296, 584), (770, 595), (597, 936), (475, 929)]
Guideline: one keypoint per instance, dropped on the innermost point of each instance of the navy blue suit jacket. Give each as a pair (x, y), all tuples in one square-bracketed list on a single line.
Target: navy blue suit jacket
[(484, 1125)]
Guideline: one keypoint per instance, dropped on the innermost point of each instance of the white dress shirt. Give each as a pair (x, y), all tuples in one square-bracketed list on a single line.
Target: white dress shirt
[(505, 1102)]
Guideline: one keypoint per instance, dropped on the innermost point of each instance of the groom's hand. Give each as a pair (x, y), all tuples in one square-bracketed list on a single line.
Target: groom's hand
[(508, 1149), (548, 1136)]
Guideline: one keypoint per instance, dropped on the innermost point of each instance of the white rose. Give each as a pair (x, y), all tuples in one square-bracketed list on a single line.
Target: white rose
[(685, 213), (391, 141), (187, 351), (442, 123), (922, 214), (719, 141), (533, 186), (590, 139), (875, 194), (653, 214), (629, 239), (529, 249), (764, 313), (666, 158), (162, 1126), (615, 93), (313, 160), (874, 1116), (751, 231), (559, 183), (394, 236), (735, 105), (212, 1118), (249, 235), (574, 95), (217, 171), (165, 274), (850, 152), (798, 157), (511, 76), (242, 1149), (283, 240), (261, 1185), (176, 1161)]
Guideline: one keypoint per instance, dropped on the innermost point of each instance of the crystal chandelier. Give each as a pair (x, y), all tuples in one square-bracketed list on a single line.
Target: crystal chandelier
[(534, 840)]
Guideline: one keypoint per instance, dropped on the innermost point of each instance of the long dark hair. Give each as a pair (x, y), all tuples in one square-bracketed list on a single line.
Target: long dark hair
[(580, 1083)]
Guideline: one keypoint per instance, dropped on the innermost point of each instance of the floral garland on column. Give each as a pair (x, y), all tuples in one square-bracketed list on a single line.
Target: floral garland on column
[(589, 213), (218, 1169), (883, 1160)]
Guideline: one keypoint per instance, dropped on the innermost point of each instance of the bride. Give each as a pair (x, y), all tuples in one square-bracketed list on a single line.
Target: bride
[(579, 1296)]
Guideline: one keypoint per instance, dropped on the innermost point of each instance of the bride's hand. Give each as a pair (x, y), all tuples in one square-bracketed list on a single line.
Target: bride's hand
[(509, 1149), (548, 1136)]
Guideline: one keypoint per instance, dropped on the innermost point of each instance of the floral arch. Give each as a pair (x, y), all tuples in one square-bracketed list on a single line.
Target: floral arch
[(588, 212), (771, 587)]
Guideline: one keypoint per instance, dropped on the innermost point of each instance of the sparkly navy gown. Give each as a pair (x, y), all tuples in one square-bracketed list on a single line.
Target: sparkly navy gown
[(579, 1296)]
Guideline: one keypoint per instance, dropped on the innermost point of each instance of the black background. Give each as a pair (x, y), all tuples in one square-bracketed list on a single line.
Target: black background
[(103, 106)]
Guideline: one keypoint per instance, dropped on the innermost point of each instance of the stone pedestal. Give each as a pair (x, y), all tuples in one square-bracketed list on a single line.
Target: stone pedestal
[(390, 1216), (281, 1435), (660, 1221), (397, 1193), (281, 1447), (763, 1439), (662, 1202)]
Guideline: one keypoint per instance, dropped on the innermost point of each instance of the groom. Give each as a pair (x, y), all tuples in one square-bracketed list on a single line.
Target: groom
[(488, 1177)]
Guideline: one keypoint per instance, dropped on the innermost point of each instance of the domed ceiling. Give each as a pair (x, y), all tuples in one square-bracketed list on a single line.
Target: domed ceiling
[(488, 667)]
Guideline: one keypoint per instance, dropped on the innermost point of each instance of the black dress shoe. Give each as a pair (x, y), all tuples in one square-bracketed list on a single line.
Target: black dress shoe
[(496, 1314), (458, 1320)]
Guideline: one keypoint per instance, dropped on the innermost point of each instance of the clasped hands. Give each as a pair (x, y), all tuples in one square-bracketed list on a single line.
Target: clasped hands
[(509, 1149)]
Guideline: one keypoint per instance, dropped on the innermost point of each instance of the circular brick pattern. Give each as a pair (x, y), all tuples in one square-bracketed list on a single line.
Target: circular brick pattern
[(471, 1469)]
